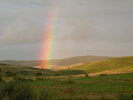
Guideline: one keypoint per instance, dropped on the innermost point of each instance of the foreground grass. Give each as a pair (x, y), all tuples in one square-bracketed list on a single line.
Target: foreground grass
[(103, 87), (107, 87)]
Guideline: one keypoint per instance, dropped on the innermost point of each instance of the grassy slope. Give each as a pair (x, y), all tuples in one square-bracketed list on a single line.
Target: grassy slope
[(8, 66), (79, 59), (115, 64), (17, 68), (60, 62)]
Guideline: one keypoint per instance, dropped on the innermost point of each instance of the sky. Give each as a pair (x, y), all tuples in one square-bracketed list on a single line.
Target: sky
[(84, 27)]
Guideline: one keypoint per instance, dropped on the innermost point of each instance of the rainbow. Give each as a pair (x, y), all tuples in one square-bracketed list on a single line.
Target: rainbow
[(48, 38)]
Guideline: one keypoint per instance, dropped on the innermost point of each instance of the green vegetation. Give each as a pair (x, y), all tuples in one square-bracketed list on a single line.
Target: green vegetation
[(8, 74), (126, 97), (124, 64), (38, 74), (68, 72), (15, 91), (1, 79), (102, 87)]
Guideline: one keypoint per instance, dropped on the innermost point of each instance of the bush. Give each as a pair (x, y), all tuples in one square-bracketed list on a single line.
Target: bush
[(19, 79), (22, 92), (39, 79), (10, 74), (16, 91), (56, 74), (125, 97), (67, 81), (1, 79), (38, 74), (86, 75)]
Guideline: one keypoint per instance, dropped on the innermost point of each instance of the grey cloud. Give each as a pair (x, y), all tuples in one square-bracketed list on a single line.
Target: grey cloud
[(84, 18), (96, 27), (99, 21), (21, 21), (21, 32)]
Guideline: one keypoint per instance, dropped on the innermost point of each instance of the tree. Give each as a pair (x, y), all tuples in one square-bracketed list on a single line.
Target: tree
[(1, 79), (38, 74), (10, 74), (86, 75)]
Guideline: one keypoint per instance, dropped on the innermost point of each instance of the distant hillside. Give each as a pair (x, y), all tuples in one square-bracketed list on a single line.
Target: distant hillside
[(20, 62), (79, 59), (58, 62), (10, 67), (114, 65), (21, 69)]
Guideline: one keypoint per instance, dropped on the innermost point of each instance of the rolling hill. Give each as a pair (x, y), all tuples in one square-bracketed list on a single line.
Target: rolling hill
[(78, 60), (20, 69), (110, 66), (25, 70), (58, 62)]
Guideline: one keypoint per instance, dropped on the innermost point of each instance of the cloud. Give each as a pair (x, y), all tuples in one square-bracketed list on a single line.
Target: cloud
[(21, 32), (83, 27), (93, 21), (78, 21), (21, 21)]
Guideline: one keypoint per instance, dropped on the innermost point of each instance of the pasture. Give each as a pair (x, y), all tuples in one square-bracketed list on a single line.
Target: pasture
[(102, 87)]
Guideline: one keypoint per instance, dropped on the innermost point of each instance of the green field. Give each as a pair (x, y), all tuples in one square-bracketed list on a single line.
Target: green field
[(103, 87)]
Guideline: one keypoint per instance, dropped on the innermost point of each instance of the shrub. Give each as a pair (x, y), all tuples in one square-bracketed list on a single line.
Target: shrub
[(38, 74), (16, 91), (1, 79), (56, 74), (29, 79), (18, 79), (39, 79), (10, 74), (22, 92), (67, 81), (125, 97), (86, 75)]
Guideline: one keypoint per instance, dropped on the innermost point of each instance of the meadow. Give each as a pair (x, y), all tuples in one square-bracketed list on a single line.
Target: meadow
[(102, 87)]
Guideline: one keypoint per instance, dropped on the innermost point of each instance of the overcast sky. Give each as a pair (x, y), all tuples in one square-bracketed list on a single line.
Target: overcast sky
[(84, 27)]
